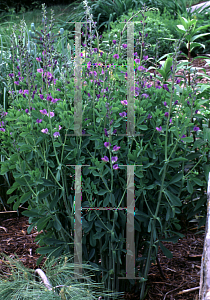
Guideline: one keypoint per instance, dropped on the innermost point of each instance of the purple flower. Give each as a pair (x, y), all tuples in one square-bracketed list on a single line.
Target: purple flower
[(165, 103), (114, 159), (59, 90), (11, 75), (165, 87), (44, 130), (166, 114), (54, 100), (178, 81), (2, 129), (116, 148), (115, 131), (38, 58), (26, 110), (149, 85), (124, 102), (49, 98), (137, 60), (116, 56), (105, 158), (114, 41), (158, 87), (107, 144), (196, 128), (56, 134), (40, 70), (149, 116), (115, 167), (196, 111), (141, 68), (145, 57), (159, 128), (145, 95), (38, 120), (124, 46), (43, 112), (106, 133), (176, 102), (184, 136), (123, 114), (51, 114), (41, 96), (170, 121), (16, 82)]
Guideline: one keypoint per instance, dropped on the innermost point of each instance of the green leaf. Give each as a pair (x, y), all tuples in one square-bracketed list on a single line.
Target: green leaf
[(45, 194), (166, 252), (189, 187), (197, 181), (175, 201), (98, 235), (41, 224), (187, 139), (57, 224), (102, 192), (26, 148), (143, 127), (11, 199), (176, 178), (195, 37), (25, 197), (16, 205)]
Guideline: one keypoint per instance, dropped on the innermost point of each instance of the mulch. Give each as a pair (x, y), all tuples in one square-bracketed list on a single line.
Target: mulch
[(181, 272)]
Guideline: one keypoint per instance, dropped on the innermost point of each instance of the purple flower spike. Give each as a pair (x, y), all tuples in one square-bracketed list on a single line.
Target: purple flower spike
[(196, 128), (107, 144), (145, 95), (166, 114), (26, 110), (105, 158), (159, 129), (116, 56), (2, 129), (137, 60), (41, 96), (196, 111), (38, 120), (178, 81), (114, 41), (165, 103), (176, 102), (145, 57), (124, 46), (115, 167), (116, 148), (149, 116)]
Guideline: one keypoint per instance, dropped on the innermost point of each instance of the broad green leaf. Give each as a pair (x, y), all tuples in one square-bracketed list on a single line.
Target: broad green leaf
[(99, 235), (189, 187), (45, 194), (57, 224), (175, 201), (102, 192), (25, 197), (11, 199), (16, 205), (166, 252), (176, 178), (41, 224), (197, 181), (199, 35)]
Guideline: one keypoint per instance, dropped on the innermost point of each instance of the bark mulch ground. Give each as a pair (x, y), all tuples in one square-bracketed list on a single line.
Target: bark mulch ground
[(181, 272)]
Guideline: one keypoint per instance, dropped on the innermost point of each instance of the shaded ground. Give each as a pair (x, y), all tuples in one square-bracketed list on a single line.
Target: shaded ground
[(181, 272)]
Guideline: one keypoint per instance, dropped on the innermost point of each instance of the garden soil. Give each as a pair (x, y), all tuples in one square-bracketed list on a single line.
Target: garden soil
[(181, 273)]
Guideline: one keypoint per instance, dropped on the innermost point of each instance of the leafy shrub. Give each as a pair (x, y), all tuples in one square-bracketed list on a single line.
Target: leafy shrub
[(153, 30)]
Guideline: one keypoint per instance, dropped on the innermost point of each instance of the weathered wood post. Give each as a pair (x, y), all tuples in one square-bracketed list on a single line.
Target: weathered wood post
[(204, 293)]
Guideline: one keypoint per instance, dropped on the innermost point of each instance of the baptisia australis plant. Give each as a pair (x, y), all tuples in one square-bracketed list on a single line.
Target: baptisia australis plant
[(41, 121)]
